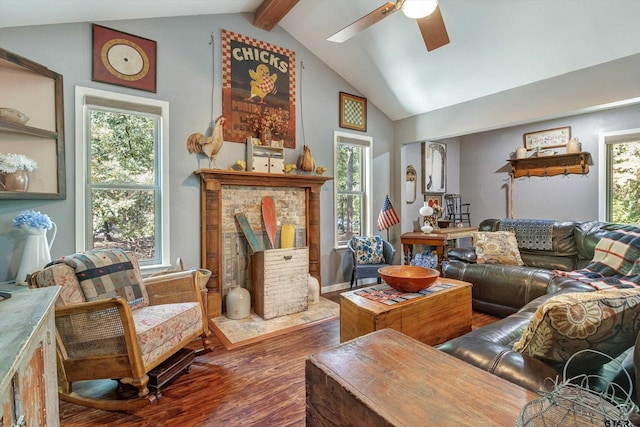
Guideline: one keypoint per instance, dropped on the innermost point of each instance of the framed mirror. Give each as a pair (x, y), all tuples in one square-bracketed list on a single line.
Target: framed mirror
[(434, 168), (31, 130)]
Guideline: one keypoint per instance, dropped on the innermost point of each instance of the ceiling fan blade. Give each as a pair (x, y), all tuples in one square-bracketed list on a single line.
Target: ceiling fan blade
[(363, 23), (433, 30)]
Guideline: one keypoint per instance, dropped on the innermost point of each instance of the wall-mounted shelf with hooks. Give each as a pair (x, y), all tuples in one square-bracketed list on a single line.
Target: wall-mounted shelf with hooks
[(557, 164)]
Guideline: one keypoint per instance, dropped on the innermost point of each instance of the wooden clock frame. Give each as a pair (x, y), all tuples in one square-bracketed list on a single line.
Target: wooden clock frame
[(103, 39)]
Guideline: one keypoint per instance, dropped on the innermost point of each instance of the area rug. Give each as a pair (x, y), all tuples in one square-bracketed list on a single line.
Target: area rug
[(385, 294), (237, 333)]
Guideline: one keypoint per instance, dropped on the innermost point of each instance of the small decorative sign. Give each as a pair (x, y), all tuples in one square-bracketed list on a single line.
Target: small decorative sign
[(550, 138), (353, 112)]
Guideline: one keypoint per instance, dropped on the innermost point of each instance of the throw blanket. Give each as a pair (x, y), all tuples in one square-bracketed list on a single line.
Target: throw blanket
[(530, 233), (106, 274), (616, 262)]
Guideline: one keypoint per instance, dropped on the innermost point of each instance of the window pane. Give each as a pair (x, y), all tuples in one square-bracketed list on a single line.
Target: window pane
[(124, 219), (349, 173), (625, 182), (122, 148), (349, 216)]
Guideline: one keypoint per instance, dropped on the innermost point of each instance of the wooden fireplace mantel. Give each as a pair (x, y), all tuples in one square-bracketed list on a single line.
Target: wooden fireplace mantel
[(211, 183)]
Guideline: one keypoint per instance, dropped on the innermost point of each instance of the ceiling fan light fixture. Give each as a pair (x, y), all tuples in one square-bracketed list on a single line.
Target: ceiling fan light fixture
[(416, 9)]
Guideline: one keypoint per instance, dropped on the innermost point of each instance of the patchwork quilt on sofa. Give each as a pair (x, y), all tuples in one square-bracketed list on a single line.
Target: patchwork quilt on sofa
[(616, 262)]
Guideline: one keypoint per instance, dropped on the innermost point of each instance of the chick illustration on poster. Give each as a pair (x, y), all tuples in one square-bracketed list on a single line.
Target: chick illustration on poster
[(262, 83)]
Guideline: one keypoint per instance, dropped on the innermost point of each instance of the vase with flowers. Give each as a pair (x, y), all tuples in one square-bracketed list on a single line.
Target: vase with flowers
[(13, 171), (36, 253), (268, 124)]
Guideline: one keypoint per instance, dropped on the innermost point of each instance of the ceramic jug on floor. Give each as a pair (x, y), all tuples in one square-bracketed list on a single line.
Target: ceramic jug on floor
[(36, 252)]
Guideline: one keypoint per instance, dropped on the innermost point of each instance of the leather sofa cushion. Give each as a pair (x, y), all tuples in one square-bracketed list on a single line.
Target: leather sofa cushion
[(606, 321)]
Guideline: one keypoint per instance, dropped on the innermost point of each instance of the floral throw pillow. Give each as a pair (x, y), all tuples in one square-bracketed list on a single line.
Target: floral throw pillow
[(497, 247), (368, 250), (606, 321)]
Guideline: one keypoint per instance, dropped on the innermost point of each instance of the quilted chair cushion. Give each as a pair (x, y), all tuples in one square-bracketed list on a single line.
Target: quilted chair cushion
[(497, 247), (162, 327), (108, 273), (606, 321), (368, 250)]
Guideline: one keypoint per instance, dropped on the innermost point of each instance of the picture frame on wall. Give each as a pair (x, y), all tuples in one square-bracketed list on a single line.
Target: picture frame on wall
[(353, 112), (123, 59), (434, 168), (549, 138)]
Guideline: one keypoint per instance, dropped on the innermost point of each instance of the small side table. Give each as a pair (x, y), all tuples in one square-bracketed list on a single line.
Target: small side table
[(417, 238)]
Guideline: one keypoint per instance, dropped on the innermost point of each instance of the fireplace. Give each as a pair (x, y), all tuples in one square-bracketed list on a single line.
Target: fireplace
[(223, 250)]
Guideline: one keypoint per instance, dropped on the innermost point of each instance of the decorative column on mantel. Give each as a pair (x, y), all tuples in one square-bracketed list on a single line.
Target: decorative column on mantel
[(211, 183)]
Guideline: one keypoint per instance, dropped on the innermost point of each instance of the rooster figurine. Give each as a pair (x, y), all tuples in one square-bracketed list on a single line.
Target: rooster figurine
[(210, 146)]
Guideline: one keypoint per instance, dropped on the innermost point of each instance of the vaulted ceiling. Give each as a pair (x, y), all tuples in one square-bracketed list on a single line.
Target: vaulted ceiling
[(496, 45)]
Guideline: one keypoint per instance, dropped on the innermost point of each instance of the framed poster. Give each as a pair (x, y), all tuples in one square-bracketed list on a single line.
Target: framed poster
[(123, 59), (258, 89), (549, 138), (353, 112), (434, 168)]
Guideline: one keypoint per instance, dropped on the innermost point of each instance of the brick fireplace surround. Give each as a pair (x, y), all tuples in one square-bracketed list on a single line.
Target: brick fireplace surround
[(224, 193)]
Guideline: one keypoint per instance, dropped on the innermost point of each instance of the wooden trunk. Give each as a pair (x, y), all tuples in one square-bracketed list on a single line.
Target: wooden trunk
[(431, 319), (280, 282), (389, 379)]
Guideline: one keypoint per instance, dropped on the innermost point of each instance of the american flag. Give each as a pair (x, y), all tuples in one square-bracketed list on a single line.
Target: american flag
[(387, 216)]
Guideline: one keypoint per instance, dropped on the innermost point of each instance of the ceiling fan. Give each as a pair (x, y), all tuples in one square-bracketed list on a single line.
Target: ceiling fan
[(426, 12)]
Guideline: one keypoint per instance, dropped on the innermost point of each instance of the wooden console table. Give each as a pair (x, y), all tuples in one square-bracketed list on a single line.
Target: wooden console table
[(437, 238), (211, 183)]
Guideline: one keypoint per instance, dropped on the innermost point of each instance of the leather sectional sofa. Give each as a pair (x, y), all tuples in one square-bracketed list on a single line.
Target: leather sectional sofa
[(515, 292)]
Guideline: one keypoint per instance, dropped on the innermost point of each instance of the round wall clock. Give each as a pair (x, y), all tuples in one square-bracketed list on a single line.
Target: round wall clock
[(123, 59)]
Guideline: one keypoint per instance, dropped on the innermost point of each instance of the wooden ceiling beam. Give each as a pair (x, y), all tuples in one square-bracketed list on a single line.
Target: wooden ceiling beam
[(271, 12)]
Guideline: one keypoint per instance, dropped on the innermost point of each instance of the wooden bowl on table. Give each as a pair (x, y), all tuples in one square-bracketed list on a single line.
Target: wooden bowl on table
[(408, 278)]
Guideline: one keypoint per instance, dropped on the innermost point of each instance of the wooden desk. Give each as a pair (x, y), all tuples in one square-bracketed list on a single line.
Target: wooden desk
[(389, 379), (437, 238), (431, 319)]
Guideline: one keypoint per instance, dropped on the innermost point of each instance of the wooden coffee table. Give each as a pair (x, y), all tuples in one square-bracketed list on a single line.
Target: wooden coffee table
[(389, 379), (431, 319)]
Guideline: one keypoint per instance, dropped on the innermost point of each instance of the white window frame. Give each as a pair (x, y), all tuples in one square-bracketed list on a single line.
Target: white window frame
[(366, 142), (82, 137), (605, 139)]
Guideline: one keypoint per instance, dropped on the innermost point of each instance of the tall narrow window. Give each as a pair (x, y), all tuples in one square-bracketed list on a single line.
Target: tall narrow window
[(122, 179), (622, 177), (352, 186)]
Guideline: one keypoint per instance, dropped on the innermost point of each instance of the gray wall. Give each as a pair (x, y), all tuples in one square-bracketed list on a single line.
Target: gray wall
[(484, 170), (186, 69), (490, 128)]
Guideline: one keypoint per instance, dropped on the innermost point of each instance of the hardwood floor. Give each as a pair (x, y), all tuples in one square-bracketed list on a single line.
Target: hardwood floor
[(258, 385)]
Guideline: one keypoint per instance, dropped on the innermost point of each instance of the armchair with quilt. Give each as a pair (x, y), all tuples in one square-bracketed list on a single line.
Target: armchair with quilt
[(368, 254), (112, 324)]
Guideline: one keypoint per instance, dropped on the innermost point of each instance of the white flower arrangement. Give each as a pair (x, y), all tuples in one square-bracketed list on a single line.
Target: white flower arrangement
[(11, 162)]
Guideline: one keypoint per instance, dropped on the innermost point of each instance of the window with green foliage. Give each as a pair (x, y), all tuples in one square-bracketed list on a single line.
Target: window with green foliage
[(623, 182), (352, 186), (122, 187)]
